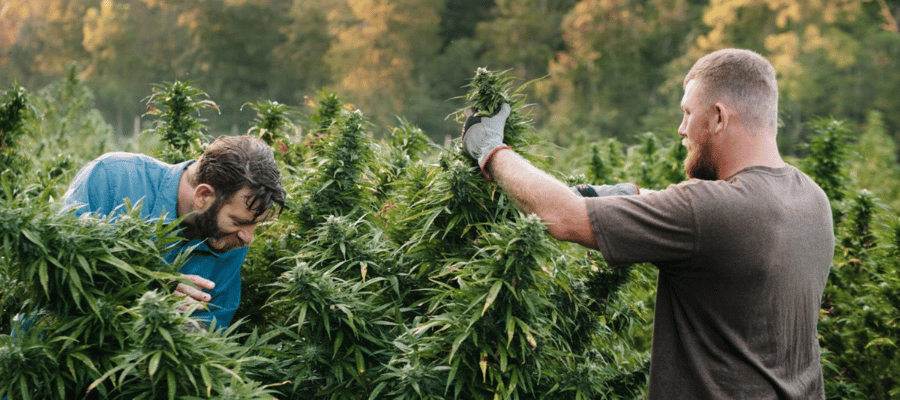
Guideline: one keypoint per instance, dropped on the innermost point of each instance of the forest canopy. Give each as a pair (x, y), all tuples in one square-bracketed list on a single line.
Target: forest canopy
[(594, 68)]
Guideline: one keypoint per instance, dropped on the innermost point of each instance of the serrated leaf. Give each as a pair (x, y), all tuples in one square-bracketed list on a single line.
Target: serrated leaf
[(153, 365), (207, 381), (492, 295), (881, 342), (170, 380), (33, 238), (118, 263), (84, 359), (168, 337), (456, 342), (43, 276)]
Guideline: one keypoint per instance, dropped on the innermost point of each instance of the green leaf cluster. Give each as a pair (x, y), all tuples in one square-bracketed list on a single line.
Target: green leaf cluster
[(177, 103), (861, 306), (396, 271), (89, 309), (14, 116), (404, 274)]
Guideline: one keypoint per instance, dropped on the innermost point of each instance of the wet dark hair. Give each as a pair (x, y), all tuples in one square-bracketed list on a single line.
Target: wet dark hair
[(231, 163)]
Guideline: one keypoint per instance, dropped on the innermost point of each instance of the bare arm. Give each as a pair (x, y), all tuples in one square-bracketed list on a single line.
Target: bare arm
[(534, 191)]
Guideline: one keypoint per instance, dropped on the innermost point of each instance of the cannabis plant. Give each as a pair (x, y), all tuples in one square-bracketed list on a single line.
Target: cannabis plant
[(76, 272), (178, 105), (15, 112), (828, 160)]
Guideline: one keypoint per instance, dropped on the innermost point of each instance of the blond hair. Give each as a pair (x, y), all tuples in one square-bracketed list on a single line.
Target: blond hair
[(741, 78)]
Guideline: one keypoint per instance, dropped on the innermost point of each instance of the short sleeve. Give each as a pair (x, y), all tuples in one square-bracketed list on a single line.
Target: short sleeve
[(655, 227)]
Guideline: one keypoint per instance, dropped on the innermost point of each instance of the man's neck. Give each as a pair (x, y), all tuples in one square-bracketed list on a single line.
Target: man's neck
[(745, 150)]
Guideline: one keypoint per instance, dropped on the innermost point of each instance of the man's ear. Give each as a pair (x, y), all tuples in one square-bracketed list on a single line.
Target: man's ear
[(204, 197), (721, 118)]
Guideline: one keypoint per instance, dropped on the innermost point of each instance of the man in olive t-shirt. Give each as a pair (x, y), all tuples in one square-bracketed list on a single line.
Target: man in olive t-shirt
[(743, 248), (742, 266)]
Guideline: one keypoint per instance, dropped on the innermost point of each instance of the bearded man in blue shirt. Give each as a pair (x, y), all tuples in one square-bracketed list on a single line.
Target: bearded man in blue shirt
[(223, 195)]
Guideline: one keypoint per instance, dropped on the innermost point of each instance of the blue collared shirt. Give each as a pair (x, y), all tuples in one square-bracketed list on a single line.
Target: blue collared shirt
[(101, 188)]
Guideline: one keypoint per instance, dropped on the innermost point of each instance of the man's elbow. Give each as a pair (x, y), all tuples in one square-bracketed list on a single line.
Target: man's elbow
[(571, 230), (560, 231)]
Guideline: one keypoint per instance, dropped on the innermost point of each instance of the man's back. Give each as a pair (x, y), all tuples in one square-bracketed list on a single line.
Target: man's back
[(743, 264), (102, 185)]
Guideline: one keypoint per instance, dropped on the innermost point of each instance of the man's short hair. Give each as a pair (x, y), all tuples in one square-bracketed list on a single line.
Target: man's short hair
[(231, 163), (741, 78)]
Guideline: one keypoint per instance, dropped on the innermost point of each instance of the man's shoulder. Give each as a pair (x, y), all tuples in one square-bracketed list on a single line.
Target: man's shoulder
[(129, 166), (748, 180), (755, 193), (121, 158)]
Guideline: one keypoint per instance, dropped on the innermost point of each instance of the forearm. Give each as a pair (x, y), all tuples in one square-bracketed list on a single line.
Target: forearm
[(530, 189), (534, 191)]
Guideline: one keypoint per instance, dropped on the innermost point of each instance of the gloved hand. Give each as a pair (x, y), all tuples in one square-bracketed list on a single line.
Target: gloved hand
[(622, 189), (483, 136)]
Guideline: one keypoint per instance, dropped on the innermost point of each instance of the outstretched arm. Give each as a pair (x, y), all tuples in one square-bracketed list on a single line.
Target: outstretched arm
[(534, 191)]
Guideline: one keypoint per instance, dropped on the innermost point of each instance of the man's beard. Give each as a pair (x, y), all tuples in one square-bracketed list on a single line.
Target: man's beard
[(700, 164), (204, 225)]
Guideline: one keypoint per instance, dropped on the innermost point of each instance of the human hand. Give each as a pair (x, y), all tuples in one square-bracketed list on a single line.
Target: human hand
[(622, 189), (194, 293), (483, 136)]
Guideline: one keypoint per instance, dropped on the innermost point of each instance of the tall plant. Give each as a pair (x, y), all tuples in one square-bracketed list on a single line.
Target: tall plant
[(178, 104), (15, 113)]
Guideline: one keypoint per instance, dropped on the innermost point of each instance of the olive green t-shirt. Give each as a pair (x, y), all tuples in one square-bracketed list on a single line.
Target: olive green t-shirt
[(742, 266)]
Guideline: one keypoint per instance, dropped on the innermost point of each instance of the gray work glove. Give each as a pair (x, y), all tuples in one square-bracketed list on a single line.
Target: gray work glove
[(483, 136), (622, 189)]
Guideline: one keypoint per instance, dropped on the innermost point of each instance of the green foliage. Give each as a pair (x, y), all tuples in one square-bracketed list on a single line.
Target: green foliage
[(85, 304), (69, 129), (408, 143), (875, 165), (609, 76), (858, 328), (272, 121), (490, 89), (330, 334), (328, 108), (71, 298), (177, 102), (14, 116), (340, 183), (605, 161), (68, 113), (167, 355), (827, 162), (396, 272), (434, 287), (858, 323)]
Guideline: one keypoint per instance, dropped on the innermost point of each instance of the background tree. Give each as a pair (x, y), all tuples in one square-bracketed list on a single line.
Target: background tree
[(606, 80), (604, 68), (380, 53), (829, 55)]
